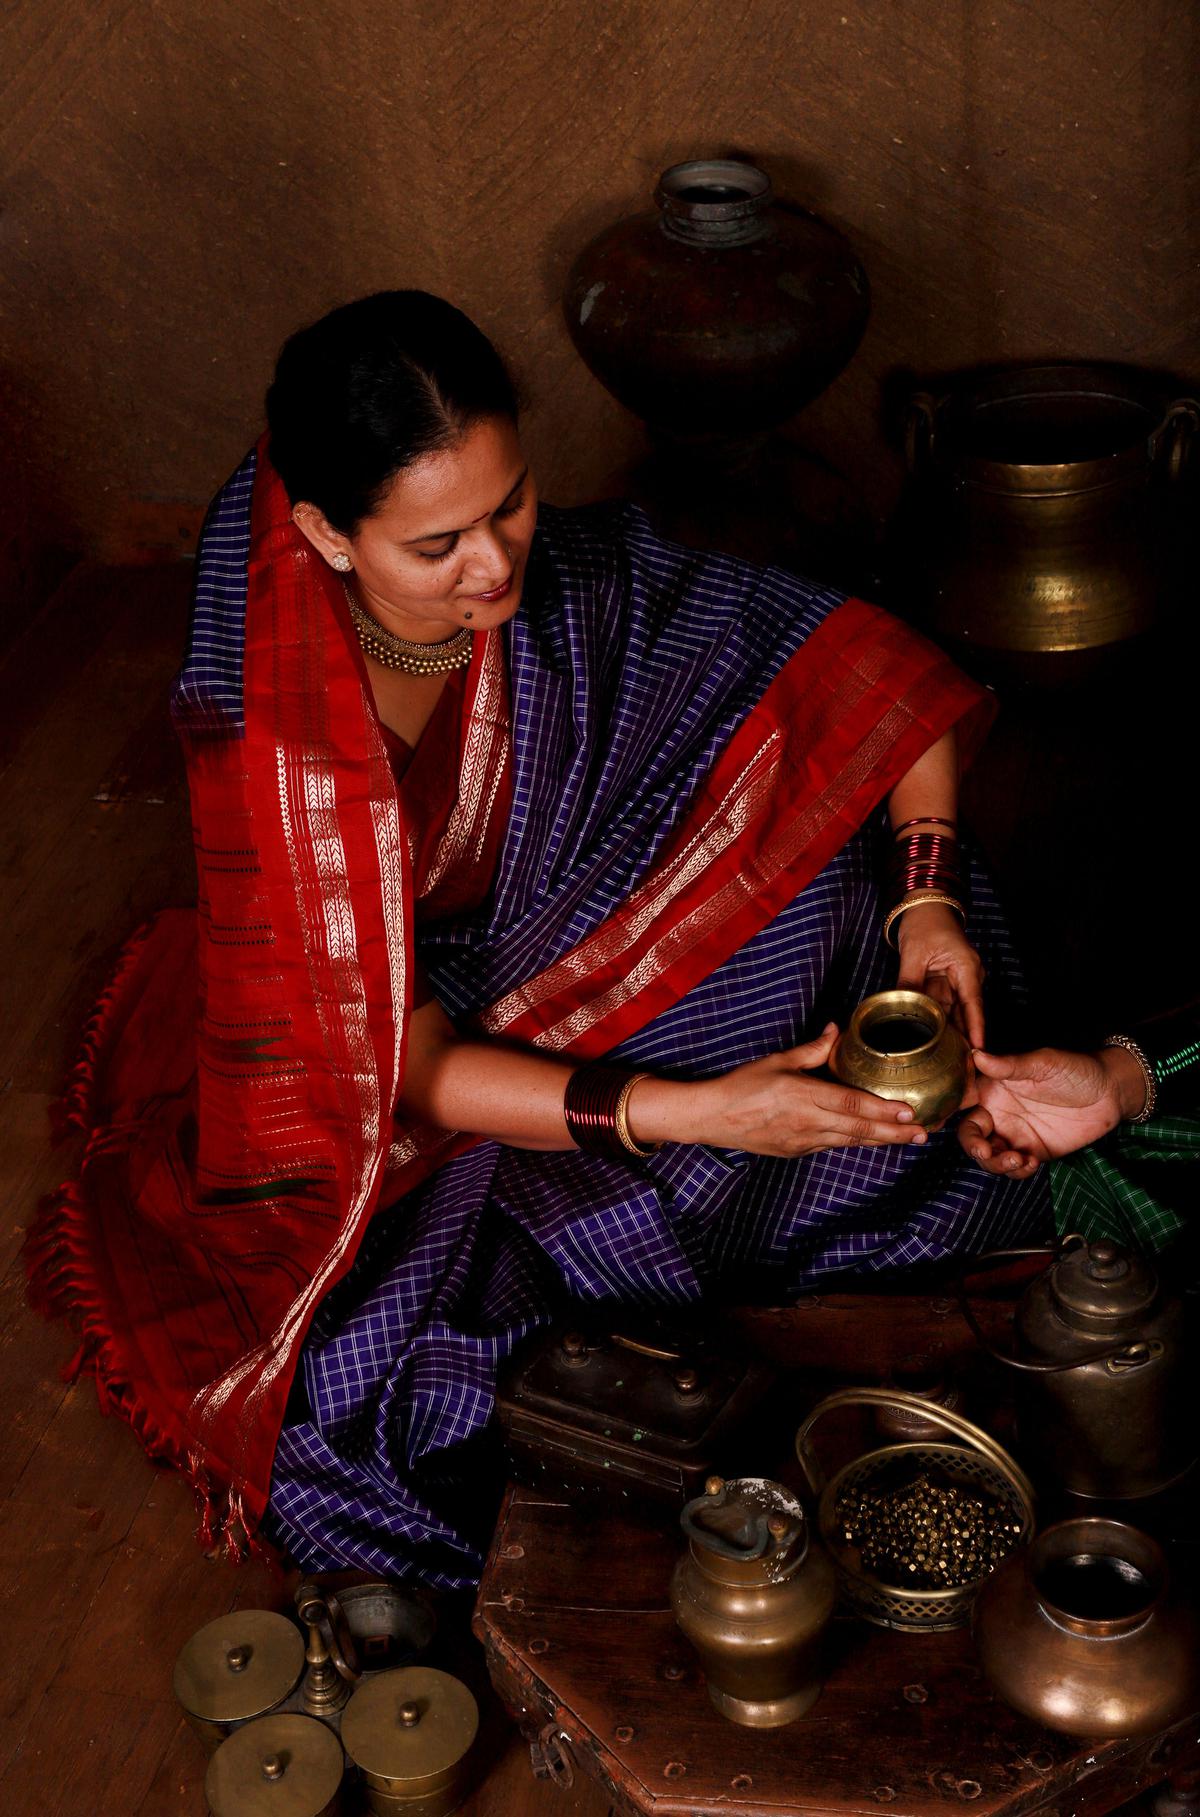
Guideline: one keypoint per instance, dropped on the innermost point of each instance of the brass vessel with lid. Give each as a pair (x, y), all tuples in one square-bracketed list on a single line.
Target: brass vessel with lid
[(279, 1766), (754, 1593), (240, 1666), (410, 1733)]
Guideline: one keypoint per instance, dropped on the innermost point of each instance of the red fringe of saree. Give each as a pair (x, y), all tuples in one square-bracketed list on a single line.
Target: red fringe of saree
[(239, 1076)]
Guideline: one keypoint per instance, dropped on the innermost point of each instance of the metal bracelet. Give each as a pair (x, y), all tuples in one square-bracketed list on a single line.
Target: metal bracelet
[(918, 899), (621, 1114), (1131, 1047)]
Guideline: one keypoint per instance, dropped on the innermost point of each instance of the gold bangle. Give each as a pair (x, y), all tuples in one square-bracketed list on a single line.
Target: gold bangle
[(918, 899), (621, 1118), (1131, 1047)]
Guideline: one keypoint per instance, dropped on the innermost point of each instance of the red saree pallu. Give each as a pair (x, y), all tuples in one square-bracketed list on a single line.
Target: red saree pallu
[(240, 1078)]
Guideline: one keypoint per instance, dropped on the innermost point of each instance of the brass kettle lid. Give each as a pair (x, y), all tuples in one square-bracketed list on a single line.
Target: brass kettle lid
[(279, 1766), (239, 1666), (410, 1725), (1102, 1281)]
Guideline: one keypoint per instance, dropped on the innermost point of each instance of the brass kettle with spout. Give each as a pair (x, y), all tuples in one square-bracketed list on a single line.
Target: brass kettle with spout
[(1104, 1364)]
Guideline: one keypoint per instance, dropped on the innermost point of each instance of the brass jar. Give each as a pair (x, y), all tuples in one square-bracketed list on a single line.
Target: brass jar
[(411, 1734), (899, 1045), (279, 1766), (754, 1593), (1081, 1633), (1103, 1359), (1036, 532), (236, 1668), (898, 1423)]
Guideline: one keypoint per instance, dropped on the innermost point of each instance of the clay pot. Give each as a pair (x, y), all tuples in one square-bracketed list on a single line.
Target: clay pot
[(720, 312)]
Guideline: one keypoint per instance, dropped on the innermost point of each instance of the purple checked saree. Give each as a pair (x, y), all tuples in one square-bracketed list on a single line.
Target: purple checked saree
[(633, 667)]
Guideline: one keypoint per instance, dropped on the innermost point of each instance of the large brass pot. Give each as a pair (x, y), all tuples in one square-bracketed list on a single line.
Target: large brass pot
[(1040, 519), (899, 1045), (1081, 1633)]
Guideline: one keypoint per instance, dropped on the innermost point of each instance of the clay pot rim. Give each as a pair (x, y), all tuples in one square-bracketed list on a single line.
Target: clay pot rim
[(757, 190)]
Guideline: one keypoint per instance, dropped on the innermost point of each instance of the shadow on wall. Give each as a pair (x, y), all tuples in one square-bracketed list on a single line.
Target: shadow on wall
[(35, 547)]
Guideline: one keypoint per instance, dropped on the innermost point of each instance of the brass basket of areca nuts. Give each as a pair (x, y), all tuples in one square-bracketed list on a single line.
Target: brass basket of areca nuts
[(914, 1530)]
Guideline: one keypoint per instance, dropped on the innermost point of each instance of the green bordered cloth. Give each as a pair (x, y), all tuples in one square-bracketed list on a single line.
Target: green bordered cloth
[(1139, 1186)]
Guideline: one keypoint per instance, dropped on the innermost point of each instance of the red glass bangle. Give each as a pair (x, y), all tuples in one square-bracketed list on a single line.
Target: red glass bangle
[(922, 820), (594, 1111), (924, 861)]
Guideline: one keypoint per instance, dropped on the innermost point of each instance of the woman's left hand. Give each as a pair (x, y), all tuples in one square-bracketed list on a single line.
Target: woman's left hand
[(936, 957)]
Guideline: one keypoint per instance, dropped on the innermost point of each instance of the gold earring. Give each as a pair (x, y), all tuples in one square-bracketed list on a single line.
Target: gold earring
[(342, 563)]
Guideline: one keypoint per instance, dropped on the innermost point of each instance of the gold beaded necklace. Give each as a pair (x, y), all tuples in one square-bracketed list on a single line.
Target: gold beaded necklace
[(383, 646)]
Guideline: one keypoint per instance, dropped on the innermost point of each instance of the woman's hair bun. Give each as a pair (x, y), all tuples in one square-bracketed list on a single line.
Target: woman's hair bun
[(371, 388)]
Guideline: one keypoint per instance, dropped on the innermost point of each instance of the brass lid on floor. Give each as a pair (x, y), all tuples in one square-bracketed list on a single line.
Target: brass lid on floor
[(239, 1666), (410, 1730), (279, 1766)]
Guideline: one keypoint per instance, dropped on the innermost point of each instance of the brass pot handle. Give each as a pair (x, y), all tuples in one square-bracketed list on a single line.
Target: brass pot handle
[(642, 1347), (952, 1422), (1172, 441), (320, 1607), (919, 430)]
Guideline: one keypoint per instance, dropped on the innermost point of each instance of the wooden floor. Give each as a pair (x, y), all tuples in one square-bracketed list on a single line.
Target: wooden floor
[(105, 1580)]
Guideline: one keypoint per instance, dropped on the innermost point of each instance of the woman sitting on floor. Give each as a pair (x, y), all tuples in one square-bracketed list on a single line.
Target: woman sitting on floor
[(480, 799)]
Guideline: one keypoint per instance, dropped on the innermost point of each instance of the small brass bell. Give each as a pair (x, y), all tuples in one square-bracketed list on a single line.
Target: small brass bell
[(325, 1689)]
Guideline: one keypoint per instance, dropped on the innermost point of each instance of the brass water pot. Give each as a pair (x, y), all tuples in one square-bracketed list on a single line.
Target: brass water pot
[(1104, 1364), (1042, 504), (754, 1593), (1081, 1632), (899, 1045)]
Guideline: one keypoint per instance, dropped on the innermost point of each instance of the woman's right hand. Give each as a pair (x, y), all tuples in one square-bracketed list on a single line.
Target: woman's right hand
[(775, 1107)]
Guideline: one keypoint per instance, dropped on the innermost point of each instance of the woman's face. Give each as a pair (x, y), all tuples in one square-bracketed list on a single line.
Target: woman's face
[(449, 544)]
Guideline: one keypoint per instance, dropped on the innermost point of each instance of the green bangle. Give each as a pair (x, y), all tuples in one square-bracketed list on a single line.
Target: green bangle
[(1181, 1062)]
